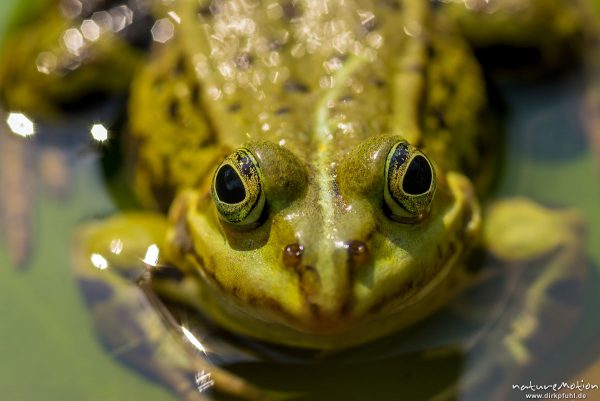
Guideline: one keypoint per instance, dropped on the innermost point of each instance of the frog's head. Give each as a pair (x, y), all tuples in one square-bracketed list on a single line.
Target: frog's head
[(326, 254)]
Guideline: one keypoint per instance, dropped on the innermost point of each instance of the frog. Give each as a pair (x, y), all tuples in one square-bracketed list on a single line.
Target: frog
[(311, 175)]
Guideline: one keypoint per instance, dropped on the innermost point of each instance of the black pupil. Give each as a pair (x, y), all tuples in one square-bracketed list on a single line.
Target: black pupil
[(417, 179), (229, 185)]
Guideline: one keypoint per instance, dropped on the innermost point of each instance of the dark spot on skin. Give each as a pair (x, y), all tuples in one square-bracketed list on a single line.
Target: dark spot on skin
[(314, 309), (208, 269), (282, 110), (272, 304), (292, 255), (235, 290), (378, 82), (451, 249), (158, 84), (431, 51), (195, 94), (377, 307), (416, 68), (567, 291), (369, 25), (95, 291), (291, 10), (295, 86), (391, 4), (167, 273), (234, 107), (215, 7), (405, 291), (358, 253), (204, 11), (309, 281), (179, 66), (243, 61), (346, 307), (275, 45), (173, 109), (346, 99), (439, 118)]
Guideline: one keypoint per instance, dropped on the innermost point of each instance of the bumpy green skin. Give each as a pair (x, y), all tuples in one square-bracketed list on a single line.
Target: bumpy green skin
[(377, 95), (321, 121), (320, 96)]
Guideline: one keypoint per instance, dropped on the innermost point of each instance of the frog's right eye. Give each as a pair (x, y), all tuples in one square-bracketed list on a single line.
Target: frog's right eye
[(237, 189)]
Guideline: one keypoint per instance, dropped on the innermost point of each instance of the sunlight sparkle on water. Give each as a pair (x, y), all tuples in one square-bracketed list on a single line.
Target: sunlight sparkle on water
[(116, 246), (90, 30), (192, 339), (99, 132), (99, 261), (151, 257), (20, 124)]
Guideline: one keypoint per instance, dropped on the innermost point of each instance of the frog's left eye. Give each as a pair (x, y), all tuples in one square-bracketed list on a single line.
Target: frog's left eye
[(409, 183), (237, 189)]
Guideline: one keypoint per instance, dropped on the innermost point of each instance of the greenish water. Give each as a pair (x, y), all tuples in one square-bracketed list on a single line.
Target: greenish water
[(48, 347)]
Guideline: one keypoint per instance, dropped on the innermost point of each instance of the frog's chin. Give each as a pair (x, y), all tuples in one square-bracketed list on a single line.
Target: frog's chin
[(336, 333)]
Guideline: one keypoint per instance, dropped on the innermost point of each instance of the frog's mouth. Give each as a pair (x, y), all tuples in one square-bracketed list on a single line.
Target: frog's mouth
[(278, 287)]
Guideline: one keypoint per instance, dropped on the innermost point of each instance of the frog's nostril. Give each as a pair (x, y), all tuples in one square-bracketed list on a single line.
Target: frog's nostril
[(292, 255), (358, 252)]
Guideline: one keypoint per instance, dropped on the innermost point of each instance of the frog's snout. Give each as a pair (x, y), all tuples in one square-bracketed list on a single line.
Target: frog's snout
[(357, 252), (325, 278)]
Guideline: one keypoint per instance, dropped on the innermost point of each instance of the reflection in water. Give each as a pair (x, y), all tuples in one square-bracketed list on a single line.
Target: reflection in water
[(116, 246), (99, 132), (99, 261), (193, 340), (203, 380), (20, 124), (17, 189), (151, 257)]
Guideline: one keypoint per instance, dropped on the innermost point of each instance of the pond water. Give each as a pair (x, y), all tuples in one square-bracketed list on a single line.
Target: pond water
[(49, 349)]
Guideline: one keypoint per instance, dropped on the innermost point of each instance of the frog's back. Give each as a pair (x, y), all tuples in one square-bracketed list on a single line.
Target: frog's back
[(317, 77)]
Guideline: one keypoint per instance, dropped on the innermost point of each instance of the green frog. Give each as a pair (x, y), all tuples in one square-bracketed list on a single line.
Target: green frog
[(311, 171)]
